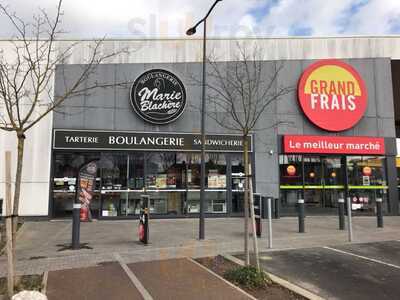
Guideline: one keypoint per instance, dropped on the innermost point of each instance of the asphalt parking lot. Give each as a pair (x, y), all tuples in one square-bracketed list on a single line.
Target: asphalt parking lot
[(351, 271)]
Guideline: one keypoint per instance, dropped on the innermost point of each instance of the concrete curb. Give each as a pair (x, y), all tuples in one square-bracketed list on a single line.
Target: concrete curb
[(44, 282), (290, 286), (221, 278)]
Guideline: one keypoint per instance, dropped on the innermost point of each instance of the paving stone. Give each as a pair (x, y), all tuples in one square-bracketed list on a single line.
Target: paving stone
[(39, 243)]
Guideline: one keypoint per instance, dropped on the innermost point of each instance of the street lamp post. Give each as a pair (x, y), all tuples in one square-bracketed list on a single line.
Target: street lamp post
[(192, 31)]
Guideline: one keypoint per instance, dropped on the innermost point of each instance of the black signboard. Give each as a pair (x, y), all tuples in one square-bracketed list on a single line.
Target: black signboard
[(139, 141), (158, 96)]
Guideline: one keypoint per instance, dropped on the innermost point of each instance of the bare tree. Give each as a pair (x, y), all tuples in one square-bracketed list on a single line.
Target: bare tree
[(239, 92), (27, 77)]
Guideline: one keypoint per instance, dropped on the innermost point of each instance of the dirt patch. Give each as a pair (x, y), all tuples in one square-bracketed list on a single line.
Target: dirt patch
[(271, 291), (26, 282)]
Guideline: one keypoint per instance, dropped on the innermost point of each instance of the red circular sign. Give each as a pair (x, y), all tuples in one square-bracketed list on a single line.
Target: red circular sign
[(291, 170), (332, 95), (367, 171)]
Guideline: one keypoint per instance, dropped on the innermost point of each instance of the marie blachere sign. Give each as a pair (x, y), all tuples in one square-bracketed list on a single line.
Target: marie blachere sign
[(158, 96)]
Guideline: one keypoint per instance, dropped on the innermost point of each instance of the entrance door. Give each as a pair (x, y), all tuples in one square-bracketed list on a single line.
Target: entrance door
[(323, 183)]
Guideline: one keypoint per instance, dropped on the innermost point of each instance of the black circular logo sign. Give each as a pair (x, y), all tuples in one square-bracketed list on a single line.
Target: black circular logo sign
[(158, 96)]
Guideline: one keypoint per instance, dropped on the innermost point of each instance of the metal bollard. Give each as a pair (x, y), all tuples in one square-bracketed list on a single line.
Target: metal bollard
[(379, 213), (76, 224), (300, 203), (350, 224), (269, 223), (341, 214)]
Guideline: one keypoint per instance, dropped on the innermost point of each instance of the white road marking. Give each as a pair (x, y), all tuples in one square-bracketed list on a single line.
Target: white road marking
[(364, 257), (221, 278), (145, 294)]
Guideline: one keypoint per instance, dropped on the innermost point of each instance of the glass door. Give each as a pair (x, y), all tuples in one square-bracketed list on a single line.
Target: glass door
[(333, 181), (367, 183), (313, 182), (323, 183)]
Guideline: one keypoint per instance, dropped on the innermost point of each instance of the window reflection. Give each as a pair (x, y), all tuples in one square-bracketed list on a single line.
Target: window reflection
[(165, 170), (66, 167), (172, 180), (366, 170), (113, 171)]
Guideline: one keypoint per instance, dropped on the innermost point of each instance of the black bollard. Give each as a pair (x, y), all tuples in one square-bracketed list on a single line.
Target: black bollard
[(300, 203), (277, 208), (76, 224), (341, 214), (379, 213)]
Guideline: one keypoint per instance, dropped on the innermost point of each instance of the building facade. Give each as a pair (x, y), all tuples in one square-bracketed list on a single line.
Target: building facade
[(304, 148)]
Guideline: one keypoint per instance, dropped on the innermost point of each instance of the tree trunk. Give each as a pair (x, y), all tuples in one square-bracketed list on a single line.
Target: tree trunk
[(17, 189), (253, 221), (17, 192), (246, 199), (8, 221)]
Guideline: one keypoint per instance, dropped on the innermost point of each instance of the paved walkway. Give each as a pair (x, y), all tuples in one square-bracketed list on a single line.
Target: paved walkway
[(39, 243), (176, 279), (349, 272)]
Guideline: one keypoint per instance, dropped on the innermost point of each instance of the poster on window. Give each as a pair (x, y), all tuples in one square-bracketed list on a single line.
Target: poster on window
[(86, 185), (216, 180), (366, 180), (171, 181), (161, 181), (222, 181)]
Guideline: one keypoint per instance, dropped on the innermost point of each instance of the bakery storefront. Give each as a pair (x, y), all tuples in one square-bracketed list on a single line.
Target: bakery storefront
[(163, 165), (322, 169)]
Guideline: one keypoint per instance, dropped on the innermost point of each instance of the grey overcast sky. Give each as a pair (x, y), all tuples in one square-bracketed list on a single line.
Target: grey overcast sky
[(171, 18)]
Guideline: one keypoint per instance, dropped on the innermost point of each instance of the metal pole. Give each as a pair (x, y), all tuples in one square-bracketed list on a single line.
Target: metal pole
[(76, 221), (269, 223), (341, 214), (8, 223), (277, 208), (203, 138), (76, 224), (379, 213), (350, 225), (300, 202)]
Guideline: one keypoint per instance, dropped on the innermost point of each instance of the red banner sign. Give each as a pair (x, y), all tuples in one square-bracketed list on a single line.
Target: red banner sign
[(333, 144)]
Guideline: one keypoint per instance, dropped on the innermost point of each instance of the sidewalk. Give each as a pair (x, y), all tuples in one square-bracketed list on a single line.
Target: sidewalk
[(168, 279), (39, 243)]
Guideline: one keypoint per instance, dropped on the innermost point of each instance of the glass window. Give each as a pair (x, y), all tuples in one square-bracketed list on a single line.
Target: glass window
[(164, 171), (114, 171), (312, 170), (367, 182), (193, 170), (136, 171), (290, 167), (171, 179), (65, 170), (366, 171), (170, 203), (237, 166), (333, 173), (215, 171)]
